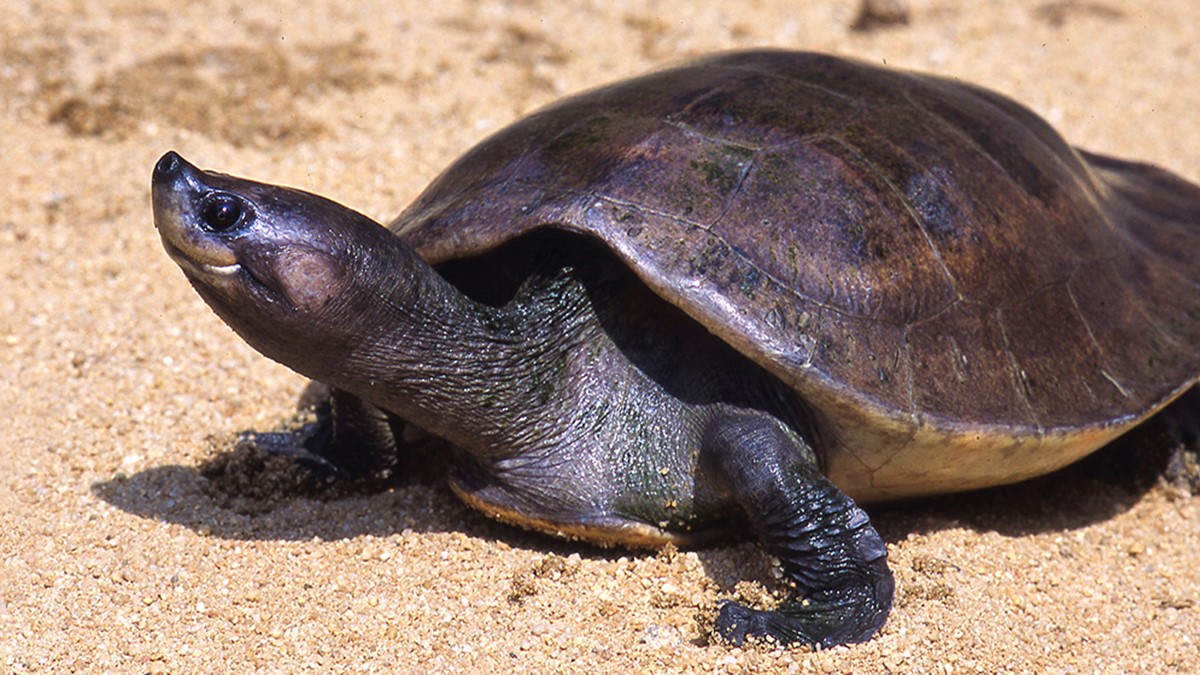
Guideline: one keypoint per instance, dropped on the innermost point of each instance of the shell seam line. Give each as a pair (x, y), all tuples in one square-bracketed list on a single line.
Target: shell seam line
[(909, 210), (1100, 351), (1017, 371)]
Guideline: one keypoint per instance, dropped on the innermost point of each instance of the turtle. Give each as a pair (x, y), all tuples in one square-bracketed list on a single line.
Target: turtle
[(743, 295)]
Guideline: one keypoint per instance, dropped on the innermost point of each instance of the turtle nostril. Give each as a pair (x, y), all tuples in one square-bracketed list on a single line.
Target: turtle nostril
[(168, 165)]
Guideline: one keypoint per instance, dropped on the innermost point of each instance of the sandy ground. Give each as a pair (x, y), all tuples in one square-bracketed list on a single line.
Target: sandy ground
[(117, 554)]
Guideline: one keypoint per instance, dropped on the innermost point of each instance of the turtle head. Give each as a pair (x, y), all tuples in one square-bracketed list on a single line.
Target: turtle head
[(341, 299), (285, 268)]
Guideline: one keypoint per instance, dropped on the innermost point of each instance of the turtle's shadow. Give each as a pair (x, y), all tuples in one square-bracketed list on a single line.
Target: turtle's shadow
[(273, 506)]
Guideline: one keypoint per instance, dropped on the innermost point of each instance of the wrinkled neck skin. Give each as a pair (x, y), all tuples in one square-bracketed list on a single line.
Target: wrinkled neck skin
[(411, 343)]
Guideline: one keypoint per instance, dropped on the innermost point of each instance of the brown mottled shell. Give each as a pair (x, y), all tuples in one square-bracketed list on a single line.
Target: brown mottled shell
[(961, 297)]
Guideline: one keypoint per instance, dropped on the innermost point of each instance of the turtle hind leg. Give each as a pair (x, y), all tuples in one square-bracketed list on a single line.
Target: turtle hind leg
[(842, 585), (826, 545), (1182, 422)]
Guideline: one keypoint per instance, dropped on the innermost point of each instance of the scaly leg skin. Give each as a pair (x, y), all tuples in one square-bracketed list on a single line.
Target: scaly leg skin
[(825, 543), (351, 440)]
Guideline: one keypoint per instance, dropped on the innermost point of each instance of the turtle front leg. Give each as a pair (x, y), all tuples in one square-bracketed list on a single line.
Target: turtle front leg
[(351, 439), (827, 547)]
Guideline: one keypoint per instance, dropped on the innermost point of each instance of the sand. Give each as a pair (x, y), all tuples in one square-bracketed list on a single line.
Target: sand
[(119, 387)]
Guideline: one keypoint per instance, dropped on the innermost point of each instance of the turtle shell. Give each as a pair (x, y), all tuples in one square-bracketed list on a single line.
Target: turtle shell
[(960, 297)]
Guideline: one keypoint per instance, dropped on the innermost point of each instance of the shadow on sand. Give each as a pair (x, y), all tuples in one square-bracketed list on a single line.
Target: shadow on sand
[(243, 494)]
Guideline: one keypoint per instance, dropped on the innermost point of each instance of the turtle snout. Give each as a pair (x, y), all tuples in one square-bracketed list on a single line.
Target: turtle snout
[(169, 166), (173, 170), (172, 182)]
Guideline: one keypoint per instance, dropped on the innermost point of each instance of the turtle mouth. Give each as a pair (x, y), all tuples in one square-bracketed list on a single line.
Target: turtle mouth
[(233, 276), (199, 267)]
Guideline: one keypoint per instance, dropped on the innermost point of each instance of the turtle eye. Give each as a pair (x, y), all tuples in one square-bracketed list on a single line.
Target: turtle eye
[(223, 212)]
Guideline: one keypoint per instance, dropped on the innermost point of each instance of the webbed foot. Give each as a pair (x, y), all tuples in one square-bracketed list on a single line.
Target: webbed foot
[(849, 602), (826, 545), (296, 446), (350, 440)]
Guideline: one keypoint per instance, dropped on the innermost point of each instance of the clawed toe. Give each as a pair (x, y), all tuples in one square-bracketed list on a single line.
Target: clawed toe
[(292, 445)]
